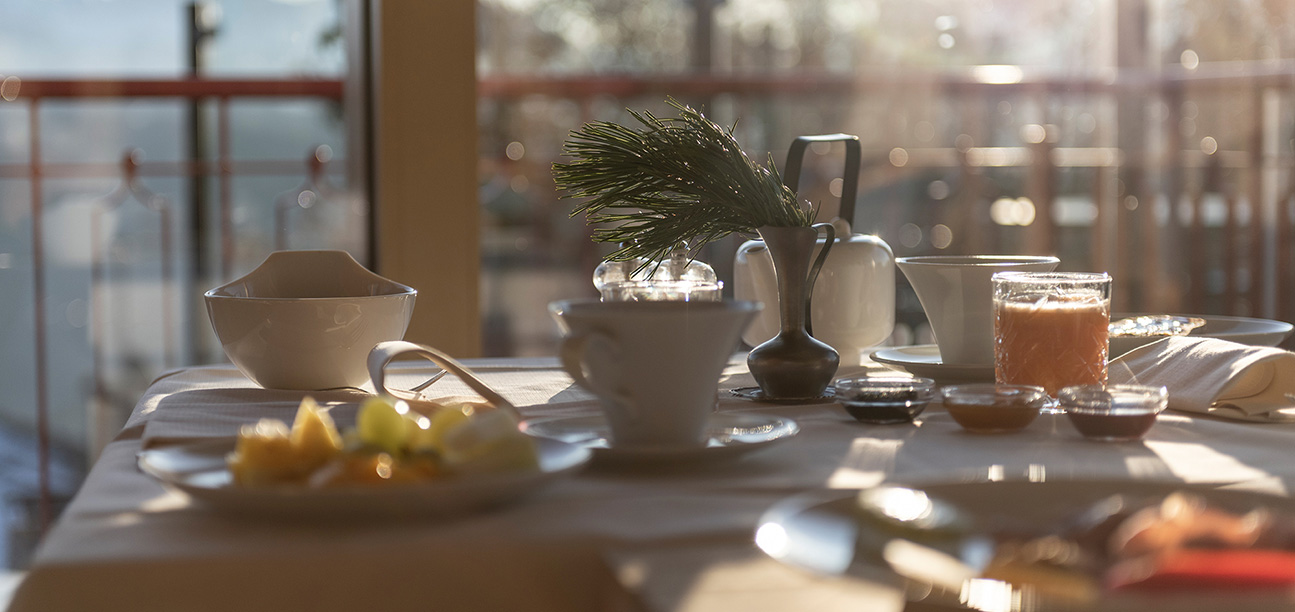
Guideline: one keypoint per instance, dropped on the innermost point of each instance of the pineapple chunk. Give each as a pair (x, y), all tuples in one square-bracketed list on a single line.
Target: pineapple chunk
[(270, 453), (314, 435), (264, 455)]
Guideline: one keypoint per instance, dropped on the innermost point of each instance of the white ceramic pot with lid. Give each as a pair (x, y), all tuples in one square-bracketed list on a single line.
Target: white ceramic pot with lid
[(853, 304), (852, 307)]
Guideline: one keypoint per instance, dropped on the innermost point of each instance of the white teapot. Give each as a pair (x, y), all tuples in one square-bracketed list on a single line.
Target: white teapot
[(852, 307)]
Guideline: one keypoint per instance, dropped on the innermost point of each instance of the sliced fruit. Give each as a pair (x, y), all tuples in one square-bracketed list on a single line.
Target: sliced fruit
[(390, 443), (354, 469), (421, 466), (314, 435), (382, 424), (375, 468), (264, 455)]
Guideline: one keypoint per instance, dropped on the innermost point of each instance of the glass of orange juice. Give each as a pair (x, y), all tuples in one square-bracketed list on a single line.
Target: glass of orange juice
[(1051, 328)]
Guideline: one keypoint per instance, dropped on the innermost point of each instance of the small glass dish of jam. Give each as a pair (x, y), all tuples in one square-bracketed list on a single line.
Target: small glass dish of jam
[(884, 400), (992, 408), (1115, 413)]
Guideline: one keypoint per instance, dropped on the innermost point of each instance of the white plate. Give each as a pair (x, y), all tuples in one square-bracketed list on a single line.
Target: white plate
[(1257, 332), (924, 360), (730, 435), (198, 469), (825, 532)]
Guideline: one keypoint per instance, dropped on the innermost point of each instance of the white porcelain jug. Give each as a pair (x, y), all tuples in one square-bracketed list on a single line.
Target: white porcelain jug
[(852, 307)]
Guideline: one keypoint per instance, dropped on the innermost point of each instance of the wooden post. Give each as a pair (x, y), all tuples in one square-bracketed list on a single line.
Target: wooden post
[(425, 176)]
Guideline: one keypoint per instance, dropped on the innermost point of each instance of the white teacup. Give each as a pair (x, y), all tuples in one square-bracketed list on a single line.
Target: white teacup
[(655, 366), (957, 296)]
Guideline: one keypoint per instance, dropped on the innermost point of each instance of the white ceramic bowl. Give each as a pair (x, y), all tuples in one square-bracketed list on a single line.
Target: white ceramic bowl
[(957, 296), (308, 319)]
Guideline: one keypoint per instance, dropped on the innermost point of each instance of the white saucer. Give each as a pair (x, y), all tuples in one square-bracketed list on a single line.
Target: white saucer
[(1244, 330), (924, 360), (730, 435)]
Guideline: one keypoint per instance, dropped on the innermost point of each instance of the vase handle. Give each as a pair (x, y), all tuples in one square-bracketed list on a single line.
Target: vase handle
[(813, 272)]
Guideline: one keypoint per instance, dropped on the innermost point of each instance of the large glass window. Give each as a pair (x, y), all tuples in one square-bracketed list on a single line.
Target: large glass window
[(149, 151), (1150, 139)]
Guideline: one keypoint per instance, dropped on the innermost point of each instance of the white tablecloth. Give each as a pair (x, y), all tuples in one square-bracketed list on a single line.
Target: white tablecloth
[(605, 539)]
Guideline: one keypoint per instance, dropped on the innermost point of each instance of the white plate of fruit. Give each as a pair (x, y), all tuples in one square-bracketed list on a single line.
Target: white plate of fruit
[(395, 462)]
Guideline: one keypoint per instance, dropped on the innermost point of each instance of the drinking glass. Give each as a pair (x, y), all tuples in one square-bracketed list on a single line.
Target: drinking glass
[(1051, 328)]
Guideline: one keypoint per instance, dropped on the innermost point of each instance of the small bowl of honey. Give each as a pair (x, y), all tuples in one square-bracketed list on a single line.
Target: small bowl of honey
[(990, 408), (1115, 413)]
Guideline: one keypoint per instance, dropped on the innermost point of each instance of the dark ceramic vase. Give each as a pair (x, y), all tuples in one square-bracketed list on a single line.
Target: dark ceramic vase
[(793, 364)]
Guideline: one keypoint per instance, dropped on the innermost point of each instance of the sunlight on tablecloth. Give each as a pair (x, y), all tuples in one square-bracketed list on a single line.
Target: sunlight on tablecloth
[(867, 463), (1201, 460)]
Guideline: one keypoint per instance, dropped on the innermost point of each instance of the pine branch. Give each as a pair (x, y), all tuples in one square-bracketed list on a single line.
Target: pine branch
[(675, 180)]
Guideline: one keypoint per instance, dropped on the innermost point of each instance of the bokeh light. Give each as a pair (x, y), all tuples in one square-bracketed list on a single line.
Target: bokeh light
[(910, 235), (997, 74), (924, 131), (938, 190), (9, 88), (515, 150), (1012, 211), (941, 236), (1033, 133)]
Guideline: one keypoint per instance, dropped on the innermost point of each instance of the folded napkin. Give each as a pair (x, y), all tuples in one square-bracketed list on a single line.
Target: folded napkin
[(1215, 377)]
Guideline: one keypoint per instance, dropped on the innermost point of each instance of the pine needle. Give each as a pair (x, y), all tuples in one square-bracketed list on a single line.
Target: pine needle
[(676, 180)]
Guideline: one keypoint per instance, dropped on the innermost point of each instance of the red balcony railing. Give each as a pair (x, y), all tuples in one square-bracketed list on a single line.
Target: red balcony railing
[(1148, 248)]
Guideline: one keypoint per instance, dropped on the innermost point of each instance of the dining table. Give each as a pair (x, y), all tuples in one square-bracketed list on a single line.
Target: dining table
[(637, 534)]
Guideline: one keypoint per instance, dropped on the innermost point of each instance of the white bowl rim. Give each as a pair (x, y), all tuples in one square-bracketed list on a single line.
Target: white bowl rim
[(402, 291), (977, 260)]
